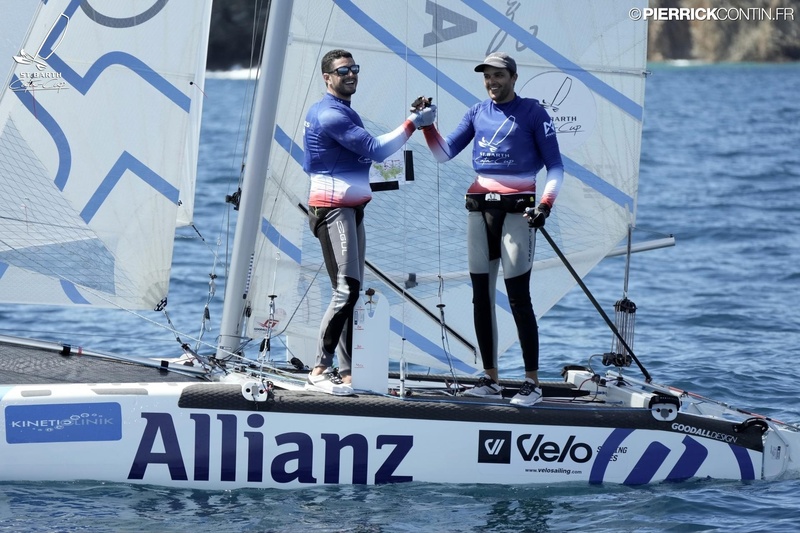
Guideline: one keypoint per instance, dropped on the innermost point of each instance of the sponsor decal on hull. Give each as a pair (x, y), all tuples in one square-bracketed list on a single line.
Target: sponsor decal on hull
[(77, 422), (495, 447), (290, 460), (566, 455)]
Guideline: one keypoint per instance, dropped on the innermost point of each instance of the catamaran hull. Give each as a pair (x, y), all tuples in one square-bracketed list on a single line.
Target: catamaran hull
[(220, 436)]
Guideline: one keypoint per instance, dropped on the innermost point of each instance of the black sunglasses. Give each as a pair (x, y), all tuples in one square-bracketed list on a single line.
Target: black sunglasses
[(342, 71)]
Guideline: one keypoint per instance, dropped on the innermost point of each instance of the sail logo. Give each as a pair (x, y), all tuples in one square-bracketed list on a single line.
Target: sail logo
[(41, 78), (569, 103), (292, 457), (494, 447), (90, 422)]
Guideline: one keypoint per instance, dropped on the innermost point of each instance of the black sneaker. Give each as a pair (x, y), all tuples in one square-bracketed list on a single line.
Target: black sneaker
[(529, 394), (486, 387)]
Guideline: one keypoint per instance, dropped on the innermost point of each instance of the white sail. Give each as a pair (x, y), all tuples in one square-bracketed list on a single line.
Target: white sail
[(99, 126), (584, 60)]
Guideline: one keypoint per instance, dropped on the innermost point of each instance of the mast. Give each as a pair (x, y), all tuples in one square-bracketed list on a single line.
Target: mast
[(256, 163)]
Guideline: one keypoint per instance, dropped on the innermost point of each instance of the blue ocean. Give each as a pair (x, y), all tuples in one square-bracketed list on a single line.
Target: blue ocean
[(718, 314)]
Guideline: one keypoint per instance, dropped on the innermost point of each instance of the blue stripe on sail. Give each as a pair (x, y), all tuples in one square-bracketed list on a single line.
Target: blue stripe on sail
[(648, 464), (690, 462), (745, 463), (137, 66), (282, 243), (424, 344), (468, 99), (127, 162), (72, 293), (607, 450), (51, 127), (273, 235), (597, 183), (3, 268), (285, 142), (501, 300), (557, 60)]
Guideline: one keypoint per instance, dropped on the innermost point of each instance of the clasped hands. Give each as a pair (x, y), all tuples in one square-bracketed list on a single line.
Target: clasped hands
[(423, 113)]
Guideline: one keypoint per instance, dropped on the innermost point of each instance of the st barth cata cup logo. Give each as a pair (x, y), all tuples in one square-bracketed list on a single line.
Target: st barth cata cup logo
[(569, 103), (499, 136), (42, 78)]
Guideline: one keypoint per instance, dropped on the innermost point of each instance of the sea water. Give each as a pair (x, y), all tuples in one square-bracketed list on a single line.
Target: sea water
[(718, 314)]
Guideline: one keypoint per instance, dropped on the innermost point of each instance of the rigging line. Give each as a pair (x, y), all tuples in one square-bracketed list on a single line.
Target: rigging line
[(175, 332), (203, 240), (244, 115), (446, 348), (301, 300), (169, 328), (592, 299), (248, 130), (444, 327), (47, 225), (405, 216)]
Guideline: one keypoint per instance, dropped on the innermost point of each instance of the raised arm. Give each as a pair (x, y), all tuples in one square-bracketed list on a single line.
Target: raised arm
[(446, 149), (358, 140)]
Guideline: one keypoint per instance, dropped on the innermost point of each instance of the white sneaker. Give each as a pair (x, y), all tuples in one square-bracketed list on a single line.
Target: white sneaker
[(329, 383), (486, 387), (529, 394)]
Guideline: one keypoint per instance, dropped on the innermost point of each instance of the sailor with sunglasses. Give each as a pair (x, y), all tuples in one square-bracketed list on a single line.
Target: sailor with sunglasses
[(338, 155)]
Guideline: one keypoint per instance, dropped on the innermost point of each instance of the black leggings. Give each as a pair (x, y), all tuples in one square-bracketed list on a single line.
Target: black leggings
[(496, 237), (341, 234)]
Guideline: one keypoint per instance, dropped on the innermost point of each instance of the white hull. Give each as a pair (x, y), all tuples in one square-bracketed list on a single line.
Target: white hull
[(229, 434)]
